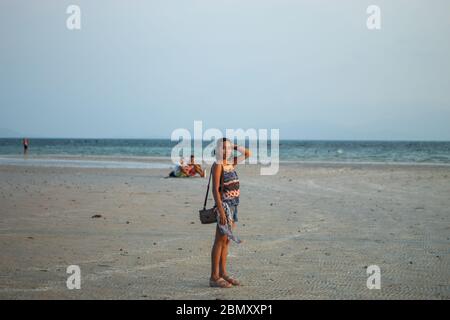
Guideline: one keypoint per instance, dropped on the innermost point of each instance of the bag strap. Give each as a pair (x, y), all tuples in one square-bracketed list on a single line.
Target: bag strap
[(207, 190), (209, 181)]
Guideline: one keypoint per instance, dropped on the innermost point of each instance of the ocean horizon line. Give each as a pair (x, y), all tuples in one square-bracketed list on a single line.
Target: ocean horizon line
[(303, 150), (284, 139)]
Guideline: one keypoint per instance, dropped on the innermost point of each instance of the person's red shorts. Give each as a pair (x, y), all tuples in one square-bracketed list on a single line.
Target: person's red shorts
[(192, 171)]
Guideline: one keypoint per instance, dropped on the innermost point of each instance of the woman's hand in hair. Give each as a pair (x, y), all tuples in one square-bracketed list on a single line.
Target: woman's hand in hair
[(244, 153)]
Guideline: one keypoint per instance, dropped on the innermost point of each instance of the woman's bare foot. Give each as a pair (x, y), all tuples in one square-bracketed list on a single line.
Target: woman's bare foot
[(234, 282), (219, 283)]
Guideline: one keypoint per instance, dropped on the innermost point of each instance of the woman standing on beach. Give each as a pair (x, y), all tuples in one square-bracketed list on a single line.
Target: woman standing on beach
[(227, 200)]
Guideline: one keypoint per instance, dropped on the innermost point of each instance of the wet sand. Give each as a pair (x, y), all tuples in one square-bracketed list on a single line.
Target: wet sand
[(310, 232)]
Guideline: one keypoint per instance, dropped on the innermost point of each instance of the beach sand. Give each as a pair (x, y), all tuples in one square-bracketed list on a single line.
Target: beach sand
[(309, 232)]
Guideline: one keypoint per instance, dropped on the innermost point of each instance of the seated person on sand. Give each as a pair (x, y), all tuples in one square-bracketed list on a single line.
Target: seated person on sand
[(195, 168), (189, 170), (181, 170)]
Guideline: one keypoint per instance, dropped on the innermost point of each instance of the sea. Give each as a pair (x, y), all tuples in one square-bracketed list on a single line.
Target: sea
[(132, 153)]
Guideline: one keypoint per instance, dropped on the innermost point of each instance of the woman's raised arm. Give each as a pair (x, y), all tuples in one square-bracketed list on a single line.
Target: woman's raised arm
[(244, 154)]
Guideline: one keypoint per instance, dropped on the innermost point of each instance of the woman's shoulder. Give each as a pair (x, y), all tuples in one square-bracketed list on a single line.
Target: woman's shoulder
[(216, 167)]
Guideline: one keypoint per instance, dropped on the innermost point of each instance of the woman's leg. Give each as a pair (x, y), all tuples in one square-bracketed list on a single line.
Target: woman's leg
[(216, 254), (223, 259), (224, 255)]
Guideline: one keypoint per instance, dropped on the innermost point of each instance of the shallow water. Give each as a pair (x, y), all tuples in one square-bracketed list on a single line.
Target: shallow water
[(289, 150)]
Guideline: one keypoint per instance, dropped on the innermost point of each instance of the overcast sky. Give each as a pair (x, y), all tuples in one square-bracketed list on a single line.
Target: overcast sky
[(140, 69)]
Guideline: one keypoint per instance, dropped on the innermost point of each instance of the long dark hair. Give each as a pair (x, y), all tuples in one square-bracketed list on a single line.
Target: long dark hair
[(222, 140)]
